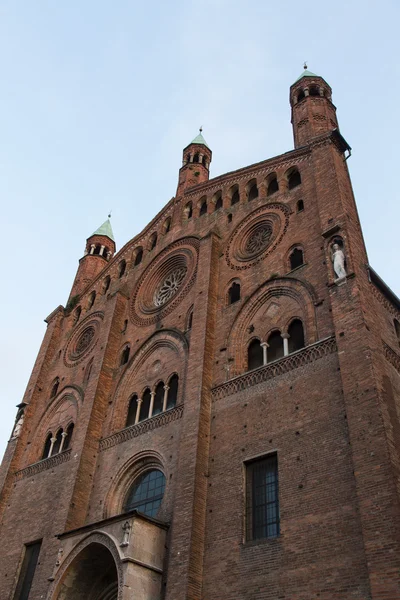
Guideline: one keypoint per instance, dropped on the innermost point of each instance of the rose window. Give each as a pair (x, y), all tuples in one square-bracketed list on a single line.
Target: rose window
[(169, 287), (258, 240), (84, 340)]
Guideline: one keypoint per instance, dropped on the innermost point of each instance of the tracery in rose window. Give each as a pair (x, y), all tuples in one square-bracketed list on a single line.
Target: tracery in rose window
[(170, 286)]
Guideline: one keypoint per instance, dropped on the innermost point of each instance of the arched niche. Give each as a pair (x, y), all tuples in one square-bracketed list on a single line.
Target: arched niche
[(163, 354), (272, 306), (91, 571)]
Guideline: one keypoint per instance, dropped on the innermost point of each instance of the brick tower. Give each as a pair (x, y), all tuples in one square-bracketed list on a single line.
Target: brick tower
[(215, 414)]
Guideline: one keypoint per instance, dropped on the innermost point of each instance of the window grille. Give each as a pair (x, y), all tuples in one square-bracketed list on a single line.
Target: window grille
[(262, 503)]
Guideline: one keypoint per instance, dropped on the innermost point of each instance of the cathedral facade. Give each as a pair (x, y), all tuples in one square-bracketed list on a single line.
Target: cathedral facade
[(214, 415)]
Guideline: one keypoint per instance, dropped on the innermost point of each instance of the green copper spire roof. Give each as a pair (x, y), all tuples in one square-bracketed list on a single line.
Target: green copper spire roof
[(306, 73), (106, 230), (200, 140)]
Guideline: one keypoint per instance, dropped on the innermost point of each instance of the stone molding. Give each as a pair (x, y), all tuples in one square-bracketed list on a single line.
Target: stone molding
[(44, 465), (280, 367), (173, 414), (391, 356)]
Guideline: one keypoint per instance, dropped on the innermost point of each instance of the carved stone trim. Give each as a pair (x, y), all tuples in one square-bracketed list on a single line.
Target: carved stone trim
[(385, 302), (148, 425), (279, 367), (391, 356), (43, 465)]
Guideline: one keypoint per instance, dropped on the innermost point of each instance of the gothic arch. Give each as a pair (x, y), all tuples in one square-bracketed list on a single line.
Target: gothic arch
[(94, 539), (63, 411), (149, 364), (299, 295), (133, 468)]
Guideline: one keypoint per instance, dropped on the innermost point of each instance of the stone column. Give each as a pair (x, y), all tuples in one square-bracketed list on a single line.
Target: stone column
[(92, 248), (102, 248), (152, 394), (53, 441), (285, 337), (63, 436), (165, 399), (264, 347), (139, 404)]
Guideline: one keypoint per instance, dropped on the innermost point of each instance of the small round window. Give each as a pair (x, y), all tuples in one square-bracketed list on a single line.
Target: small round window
[(146, 493)]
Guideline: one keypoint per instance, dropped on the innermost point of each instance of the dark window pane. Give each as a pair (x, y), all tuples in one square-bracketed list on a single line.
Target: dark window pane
[(146, 493), (27, 571), (262, 498)]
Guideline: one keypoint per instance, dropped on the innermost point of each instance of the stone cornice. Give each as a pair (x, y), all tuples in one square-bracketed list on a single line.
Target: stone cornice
[(44, 465)]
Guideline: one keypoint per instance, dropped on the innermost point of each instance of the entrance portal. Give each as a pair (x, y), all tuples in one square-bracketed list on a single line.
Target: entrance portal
[(92, 575)]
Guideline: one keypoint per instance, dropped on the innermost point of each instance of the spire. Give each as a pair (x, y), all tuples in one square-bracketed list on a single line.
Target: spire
[(199, 139), (105, 229)]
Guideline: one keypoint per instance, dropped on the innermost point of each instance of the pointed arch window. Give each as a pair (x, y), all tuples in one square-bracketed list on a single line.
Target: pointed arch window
[(254, 355), (189, 210), (68, 437), (77, 314), (92, 298), (167, 225), (125, 355), (300, 205), (296, 335), (121, 268), (153, 241), (296, 258), (138, 256), (294, 179), (145, 405), (253, 191), (158, 399), (132, 408), (235, 197), (173, 385), (203, 208), (54, 387), (234, 293), (275, 346), (272, 186), (106, 284), (47, 446)]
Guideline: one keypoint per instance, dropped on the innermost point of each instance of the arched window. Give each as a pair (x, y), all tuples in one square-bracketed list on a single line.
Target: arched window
[(132, 408), (54, 387), (138, 256), (234, 293), (296, 333), (196, 158), (88, 370), (145, 406), (203, 208), (189, 319), (158, 399), (252, 191), (314, 90), (294, 179), (218, 200), (204, 160), (275, 346), (97, 250), (296, 259), (92, 298), (188, 210), (125, 355), (188, 158), (254, 355), (235, 197), (167, 225), (146, 493), (106, 284), (153, 241), (272, 186), (397, 329), (300, 96), (300, 206), (121, 268), (68, 437), (173, 385), (47, 446), (77, 314)]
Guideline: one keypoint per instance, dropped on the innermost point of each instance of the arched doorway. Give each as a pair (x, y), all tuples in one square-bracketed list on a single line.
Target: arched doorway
[(92, 575)]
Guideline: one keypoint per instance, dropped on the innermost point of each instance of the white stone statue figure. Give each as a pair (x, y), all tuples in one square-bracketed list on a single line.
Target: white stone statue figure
[(338, 261), (18, 426)]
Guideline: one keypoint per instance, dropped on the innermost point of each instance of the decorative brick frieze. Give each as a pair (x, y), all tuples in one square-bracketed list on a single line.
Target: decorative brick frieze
[(148, 425), (44, 465), (391, 356), (279, 367)]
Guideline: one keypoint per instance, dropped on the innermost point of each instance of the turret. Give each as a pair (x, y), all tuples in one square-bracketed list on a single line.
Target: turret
[(195, 164), (312, 110), (100, 247)]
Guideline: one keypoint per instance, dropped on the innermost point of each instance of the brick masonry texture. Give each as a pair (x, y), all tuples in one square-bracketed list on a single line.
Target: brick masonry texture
[(330, 411)]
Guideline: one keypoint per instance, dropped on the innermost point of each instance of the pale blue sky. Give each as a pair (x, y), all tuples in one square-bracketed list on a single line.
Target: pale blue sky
[(99, 98)]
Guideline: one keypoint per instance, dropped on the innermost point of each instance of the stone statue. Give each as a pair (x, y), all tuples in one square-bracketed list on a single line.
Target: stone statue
[(338, 261), (126, 528), (18, 425)]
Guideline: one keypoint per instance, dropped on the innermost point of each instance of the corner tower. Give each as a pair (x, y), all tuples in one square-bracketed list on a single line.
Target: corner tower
[(100, 247), (195, 164), (313, 113)]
